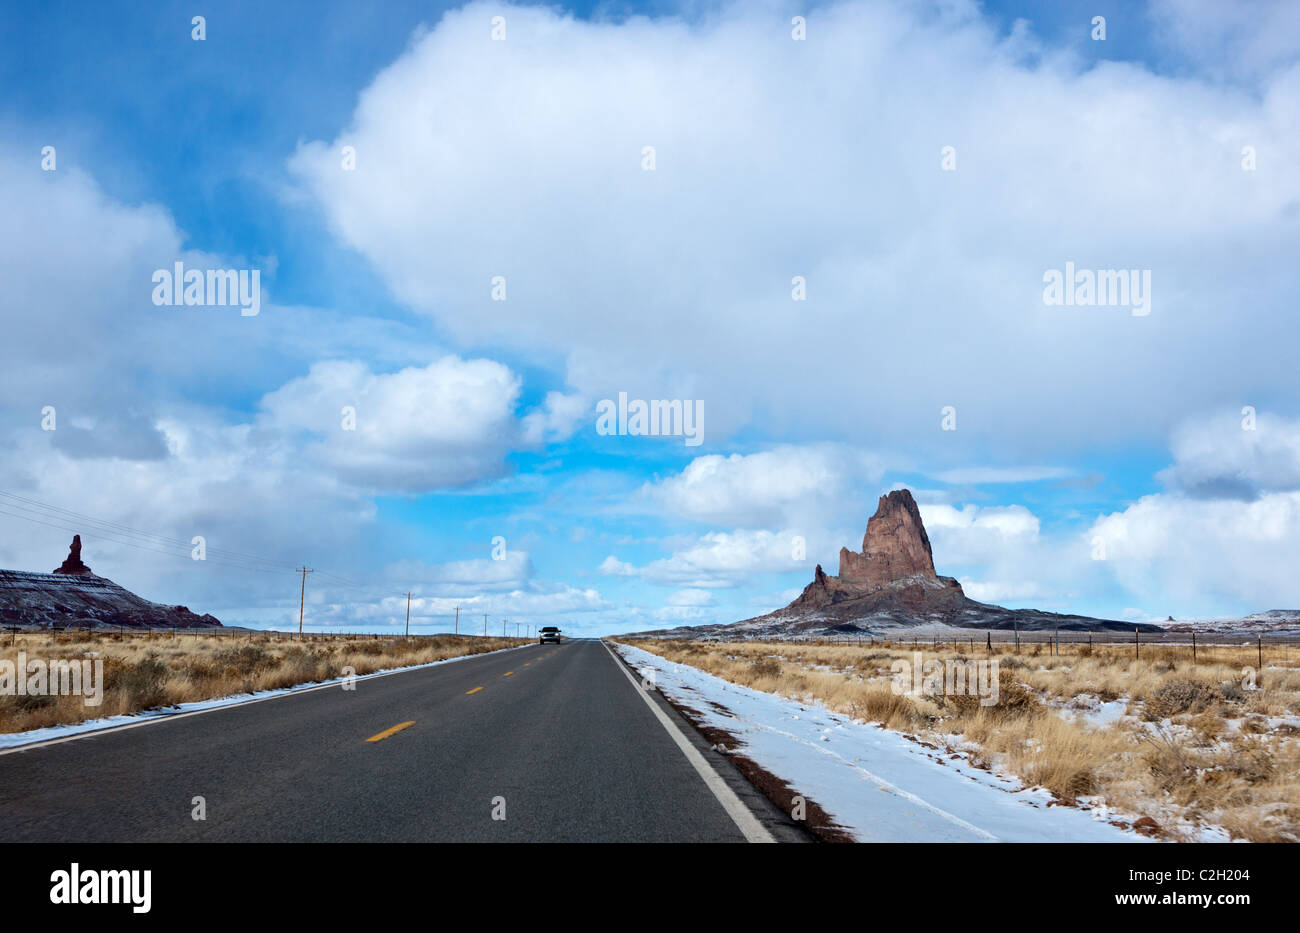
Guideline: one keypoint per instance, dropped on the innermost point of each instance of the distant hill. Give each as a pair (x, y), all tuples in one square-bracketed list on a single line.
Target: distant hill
[(1271, 622)]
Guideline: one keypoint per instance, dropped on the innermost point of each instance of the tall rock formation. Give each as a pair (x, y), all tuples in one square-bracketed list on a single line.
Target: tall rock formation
[(894, 548), (895, 558), (73, 562)]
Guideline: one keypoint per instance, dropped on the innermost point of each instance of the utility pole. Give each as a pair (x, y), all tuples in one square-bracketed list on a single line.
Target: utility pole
[(485, 625), (302, 599), (408, 615), (458, 620), (504, 623)]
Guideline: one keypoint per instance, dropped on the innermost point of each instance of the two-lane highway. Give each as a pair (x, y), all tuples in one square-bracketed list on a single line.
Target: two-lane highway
[(541, 743)]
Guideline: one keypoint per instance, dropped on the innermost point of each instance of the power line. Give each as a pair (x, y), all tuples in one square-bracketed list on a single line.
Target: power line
[(106, 526), (138, 547)]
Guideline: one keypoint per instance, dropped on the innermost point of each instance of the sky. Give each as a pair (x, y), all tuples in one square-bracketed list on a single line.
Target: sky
[(829, 231)]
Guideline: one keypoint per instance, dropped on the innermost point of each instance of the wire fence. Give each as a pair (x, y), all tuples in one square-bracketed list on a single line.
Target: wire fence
[(1192, 646)]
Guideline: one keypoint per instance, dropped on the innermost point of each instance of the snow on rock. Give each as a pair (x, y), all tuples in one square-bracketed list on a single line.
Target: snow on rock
[(63, 599)]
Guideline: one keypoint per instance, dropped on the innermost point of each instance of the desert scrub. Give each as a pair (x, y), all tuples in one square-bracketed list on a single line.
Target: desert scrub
[(141, 683), (144, 670), (1183, 695), (1229, 758), (244, 660)]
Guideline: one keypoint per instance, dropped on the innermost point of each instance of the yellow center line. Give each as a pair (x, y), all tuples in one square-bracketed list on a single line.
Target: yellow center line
[(387, 732), (507, 673), (526, 663), (475, 690)]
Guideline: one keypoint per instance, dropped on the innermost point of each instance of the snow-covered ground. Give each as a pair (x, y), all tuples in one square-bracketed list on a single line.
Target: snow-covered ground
[(879, 785), (13, 740)]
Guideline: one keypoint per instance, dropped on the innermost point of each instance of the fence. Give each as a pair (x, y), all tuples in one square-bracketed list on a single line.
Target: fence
[(1164, 644)]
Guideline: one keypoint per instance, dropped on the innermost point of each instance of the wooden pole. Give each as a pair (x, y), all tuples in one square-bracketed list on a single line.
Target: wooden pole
[(302, 598)]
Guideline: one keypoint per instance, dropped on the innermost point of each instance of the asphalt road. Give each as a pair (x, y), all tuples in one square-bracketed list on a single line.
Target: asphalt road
[(556, 737)]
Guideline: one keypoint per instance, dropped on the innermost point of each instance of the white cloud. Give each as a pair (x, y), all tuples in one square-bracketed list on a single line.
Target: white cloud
[(523, 159), (976, 535), (557, 418), (980, 475), (681, 615), (612, 566), (784, 486), (1215, 457), (1202, 552), (692, 597), (717, 559), (999, 591), (422, 428), (484, 574)]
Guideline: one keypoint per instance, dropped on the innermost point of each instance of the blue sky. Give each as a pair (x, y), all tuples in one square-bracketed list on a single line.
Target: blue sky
[(524, 158)]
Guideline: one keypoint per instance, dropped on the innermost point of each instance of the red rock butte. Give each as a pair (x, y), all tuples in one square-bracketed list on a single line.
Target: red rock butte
[(895, 546), (73, 562)]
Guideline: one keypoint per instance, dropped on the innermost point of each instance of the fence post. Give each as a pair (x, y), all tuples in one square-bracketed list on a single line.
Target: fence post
[(1259, 643), (1136, 648), (1193, 648)]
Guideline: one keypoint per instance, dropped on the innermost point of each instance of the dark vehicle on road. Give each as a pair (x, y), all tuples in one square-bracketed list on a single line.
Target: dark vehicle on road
[(550, 633)]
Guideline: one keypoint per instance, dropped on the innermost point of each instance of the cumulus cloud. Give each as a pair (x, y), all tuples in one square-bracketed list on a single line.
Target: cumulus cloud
[(1235, 455), (1207, 552), (783, 486), (446, 424), (973, 534), (612, 566), (717, 559), (557, 418), (524, 159), (512, 570), (691, 597)]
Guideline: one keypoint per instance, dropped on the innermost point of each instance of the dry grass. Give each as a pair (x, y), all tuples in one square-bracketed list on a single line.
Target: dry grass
[(142, 670), (1201, 743)]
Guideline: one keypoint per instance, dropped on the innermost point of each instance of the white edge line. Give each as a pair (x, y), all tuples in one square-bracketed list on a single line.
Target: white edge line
[(749, 826), (278, 695)]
